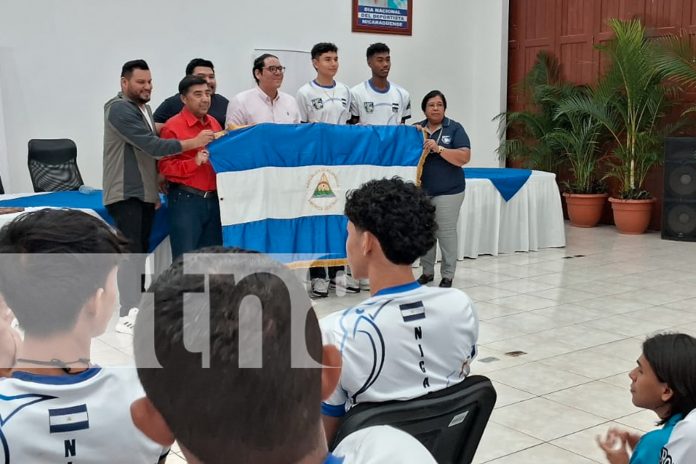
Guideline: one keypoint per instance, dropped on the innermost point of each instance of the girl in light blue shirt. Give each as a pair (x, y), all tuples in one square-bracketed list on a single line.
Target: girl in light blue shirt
[(665, 381)]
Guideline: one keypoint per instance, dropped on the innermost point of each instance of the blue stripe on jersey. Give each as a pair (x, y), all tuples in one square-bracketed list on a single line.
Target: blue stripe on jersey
[(57, 379), (314, 81), (374, 89), (331, 459), (67, 411), (398, 289), (333, 410)]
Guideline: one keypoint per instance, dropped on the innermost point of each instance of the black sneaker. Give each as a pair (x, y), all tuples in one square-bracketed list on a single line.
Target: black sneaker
[(425, 278), (446, 283)]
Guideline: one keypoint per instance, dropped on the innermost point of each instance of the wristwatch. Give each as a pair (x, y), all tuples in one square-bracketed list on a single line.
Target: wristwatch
[(440, 148)]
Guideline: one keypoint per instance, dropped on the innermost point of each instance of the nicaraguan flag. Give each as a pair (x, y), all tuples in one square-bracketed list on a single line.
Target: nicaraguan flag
[(412, 311), (68, 419), (282, 187)]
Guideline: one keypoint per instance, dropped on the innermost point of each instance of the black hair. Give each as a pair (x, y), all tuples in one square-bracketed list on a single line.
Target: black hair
[(672, 356), (129, 66), (259, 64), (433, 94), (254, 414), (189, 81), (398, 213), (196, 62), (375, 48), (46, 292), (321, 48)]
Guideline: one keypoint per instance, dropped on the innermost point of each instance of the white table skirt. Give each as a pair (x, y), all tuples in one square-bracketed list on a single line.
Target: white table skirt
[(532, 219)]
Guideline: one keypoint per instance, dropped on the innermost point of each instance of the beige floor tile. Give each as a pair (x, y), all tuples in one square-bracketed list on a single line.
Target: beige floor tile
[(598, 398), (544, 453), (537, 379), (498, 441), (584, 442), (589, 364)]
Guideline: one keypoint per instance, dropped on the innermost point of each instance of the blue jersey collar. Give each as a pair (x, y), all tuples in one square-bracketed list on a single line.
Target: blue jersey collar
[(398, 289), (369, 82), (331, 459)]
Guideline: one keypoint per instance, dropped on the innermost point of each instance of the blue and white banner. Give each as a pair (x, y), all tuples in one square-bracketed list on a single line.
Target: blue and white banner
[(282, 187), (68, 419)]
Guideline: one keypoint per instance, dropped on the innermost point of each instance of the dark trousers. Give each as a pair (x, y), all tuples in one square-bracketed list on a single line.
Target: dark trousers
[(134, 219), (194, 221)]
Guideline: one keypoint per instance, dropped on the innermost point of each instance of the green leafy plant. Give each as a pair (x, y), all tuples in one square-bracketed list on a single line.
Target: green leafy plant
[(678, 60), (630, 102), (543, 89), (580, 144)]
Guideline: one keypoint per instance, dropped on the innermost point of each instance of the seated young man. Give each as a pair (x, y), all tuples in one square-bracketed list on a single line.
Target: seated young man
[(253, 395), (58, 274), (406, 340)]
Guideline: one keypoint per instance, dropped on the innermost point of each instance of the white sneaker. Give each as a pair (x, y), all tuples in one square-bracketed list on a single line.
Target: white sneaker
[(365, 284), (126, 324), (319, 288), (345, 283)]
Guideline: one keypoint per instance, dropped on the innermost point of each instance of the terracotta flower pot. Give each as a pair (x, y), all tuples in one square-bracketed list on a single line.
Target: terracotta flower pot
[(631, 216), (585, 209)]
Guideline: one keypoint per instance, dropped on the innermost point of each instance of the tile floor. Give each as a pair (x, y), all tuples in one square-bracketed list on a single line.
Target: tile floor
[(580, 315)]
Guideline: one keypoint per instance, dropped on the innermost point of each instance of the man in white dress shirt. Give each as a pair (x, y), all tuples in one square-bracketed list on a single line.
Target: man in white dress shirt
[(265, 102)]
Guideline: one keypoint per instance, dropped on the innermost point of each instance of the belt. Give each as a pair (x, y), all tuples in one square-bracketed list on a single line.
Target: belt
[(195, 191)]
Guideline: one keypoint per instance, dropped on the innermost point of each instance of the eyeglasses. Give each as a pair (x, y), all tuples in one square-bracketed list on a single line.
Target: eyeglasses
[(276, 69)]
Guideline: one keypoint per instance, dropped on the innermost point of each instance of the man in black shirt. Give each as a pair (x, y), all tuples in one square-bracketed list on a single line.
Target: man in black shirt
[(173, 105)]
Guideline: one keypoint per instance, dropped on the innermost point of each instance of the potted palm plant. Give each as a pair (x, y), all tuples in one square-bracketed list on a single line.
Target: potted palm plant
[(585, 196), (630, 102), (543, 89)]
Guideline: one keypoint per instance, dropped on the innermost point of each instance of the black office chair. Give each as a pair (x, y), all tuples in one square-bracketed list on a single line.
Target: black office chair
[(53, 165), (449, 423)]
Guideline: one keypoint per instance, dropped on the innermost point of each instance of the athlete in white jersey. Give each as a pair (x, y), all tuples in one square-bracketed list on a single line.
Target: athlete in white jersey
[(323, 99), (59, 277), (380, 445), (83, 417), (232, 412), (324, 103), (405, 340), (378, 101), (681, 447)]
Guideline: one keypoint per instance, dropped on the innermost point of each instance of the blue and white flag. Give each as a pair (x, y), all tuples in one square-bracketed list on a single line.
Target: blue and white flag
[(68, 419), (282, 187)]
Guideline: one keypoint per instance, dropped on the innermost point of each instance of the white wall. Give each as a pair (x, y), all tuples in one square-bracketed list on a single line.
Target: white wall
[(4, 159), (487, 40), (60, 60)]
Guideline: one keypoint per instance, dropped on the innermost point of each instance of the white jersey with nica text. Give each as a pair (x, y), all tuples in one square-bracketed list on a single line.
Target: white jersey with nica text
[(404, 342)]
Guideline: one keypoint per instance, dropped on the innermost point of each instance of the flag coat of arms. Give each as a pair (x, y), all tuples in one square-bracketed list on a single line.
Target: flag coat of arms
[(282, 187)]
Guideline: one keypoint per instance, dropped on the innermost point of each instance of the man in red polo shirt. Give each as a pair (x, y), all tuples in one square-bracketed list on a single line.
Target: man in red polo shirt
[(193, 210)]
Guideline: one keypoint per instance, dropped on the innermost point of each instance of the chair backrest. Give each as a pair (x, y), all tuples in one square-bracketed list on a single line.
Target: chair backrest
[(53, 165), (449, 423)]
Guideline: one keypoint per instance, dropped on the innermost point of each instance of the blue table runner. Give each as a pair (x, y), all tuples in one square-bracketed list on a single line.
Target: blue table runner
[(93, 201), (508, 181)]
